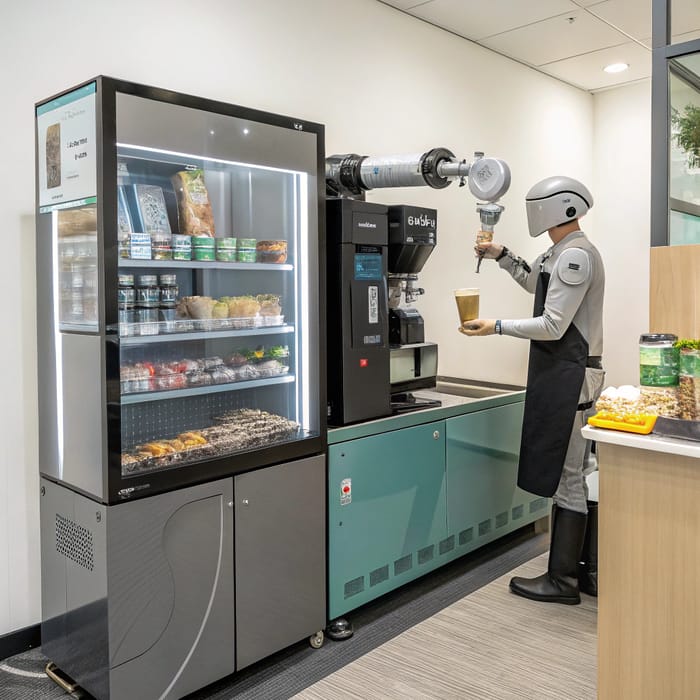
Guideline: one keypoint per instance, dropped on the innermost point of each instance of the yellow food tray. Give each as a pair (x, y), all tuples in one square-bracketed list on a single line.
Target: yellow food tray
[(643, 429)]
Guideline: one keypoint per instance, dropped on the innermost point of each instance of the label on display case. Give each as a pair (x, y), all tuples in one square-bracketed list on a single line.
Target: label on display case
[(67, 160)]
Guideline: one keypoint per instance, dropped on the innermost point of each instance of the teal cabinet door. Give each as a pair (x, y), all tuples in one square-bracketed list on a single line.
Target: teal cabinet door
[(483, 499), (386, 514)]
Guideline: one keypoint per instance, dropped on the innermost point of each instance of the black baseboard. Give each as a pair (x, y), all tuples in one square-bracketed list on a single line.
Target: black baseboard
[(20, 641)]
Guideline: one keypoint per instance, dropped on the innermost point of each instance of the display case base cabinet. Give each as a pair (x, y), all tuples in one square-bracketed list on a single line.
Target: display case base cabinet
[(138, 598), (420, 497)]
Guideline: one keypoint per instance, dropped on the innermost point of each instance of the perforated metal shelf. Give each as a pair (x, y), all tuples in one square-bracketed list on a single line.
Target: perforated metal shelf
[(203, 390), (203, 265), (203, 335)]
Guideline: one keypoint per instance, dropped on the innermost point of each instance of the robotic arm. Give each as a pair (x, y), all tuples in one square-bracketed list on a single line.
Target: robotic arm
[(349, 175)]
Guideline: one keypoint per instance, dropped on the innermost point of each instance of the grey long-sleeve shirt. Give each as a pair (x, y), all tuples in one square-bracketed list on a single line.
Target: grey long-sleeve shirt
[(574, 295)]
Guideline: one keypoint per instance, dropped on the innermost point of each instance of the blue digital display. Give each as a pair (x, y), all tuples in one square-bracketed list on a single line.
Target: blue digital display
[(368, 266)]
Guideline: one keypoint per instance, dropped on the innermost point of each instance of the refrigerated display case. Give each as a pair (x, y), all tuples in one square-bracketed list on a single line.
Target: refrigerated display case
[(182, 379), (178, 302)]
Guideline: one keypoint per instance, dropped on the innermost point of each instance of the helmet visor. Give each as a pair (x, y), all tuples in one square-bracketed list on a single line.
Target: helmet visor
[(537, 216)]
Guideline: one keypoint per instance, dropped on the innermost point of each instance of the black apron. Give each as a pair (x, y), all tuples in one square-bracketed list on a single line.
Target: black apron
[(555, 376)]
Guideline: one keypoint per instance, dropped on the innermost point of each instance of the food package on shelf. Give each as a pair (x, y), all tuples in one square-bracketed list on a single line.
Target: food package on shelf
[(631, 400), (193, 206)]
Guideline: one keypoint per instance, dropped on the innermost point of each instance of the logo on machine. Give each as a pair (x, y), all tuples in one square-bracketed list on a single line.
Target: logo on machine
[(484, 174), (366, 224), (422, 220)]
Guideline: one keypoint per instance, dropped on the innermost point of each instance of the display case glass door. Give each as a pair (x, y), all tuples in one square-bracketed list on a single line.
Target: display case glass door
[(216, 316)]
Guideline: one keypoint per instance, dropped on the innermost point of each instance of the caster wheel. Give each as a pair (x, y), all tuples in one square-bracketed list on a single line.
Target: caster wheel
[(316, 640)]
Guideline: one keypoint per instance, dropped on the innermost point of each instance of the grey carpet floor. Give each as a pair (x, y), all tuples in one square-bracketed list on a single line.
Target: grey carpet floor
[(490, 645), (295, 669)]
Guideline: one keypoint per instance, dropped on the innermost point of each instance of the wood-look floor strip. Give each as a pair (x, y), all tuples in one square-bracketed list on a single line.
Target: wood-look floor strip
[(491, 645)]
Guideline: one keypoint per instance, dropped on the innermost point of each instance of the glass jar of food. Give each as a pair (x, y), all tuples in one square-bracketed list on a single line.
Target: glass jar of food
[(126, 292), (168, 291), (182, 247), (203, 248), (147, 292), (226, 249), (161, 246), (245, 250), (658, 360)]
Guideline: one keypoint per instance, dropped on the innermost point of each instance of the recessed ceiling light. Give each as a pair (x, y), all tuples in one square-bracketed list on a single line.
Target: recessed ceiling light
[(616, 67)]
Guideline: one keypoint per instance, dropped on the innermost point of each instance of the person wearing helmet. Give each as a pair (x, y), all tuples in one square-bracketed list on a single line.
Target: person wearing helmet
[(565, 377)]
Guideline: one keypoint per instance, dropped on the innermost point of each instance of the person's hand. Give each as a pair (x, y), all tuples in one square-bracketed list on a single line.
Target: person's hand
[(478, 326), (488, 250)]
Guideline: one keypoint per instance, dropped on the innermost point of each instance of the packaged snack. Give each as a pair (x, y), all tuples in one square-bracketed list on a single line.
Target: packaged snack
[(193, 206)]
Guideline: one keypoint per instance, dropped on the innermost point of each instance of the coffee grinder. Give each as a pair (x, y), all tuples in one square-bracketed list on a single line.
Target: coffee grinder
[(413, 361)]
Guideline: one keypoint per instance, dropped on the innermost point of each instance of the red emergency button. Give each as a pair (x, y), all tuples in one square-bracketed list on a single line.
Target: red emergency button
[(346, 489), (364, 362)]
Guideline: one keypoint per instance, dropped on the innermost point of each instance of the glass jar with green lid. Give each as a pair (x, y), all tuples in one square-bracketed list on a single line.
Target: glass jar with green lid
[(658, 360)]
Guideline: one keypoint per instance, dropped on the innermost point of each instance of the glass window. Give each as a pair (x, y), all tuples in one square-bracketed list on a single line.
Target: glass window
[(684, 166)]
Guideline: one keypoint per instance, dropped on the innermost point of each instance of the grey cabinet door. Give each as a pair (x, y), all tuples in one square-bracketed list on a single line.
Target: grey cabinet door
[(280, 557), (171, 604)]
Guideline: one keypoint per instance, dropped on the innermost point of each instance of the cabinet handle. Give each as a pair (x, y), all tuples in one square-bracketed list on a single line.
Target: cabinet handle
[(230, 504), (245, 502), (436, 435)]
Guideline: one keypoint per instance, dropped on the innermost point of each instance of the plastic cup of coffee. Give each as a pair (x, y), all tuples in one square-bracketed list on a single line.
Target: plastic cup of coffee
[(467, 304)]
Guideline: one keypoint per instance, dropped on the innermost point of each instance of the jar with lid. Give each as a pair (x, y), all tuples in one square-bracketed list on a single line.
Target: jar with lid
[(168, 301), (658, 360), (147, 292), (127, 292), (168, 291)]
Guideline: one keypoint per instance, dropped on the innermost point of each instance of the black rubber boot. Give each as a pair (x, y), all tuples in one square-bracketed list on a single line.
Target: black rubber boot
[(560, 583), (588, 566)]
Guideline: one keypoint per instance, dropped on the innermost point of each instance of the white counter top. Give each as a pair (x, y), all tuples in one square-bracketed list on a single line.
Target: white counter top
[(654, 443)]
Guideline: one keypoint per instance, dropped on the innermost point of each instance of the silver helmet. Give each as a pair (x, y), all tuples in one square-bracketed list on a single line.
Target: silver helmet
[(554, 201)]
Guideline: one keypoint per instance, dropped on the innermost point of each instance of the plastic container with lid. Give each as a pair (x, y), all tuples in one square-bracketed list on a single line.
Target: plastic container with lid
[(226, 249), (161, 246), (203, 248), (246, 250), (168, 291), (182, 247), (147, 292), (126, 292), (658, 360)]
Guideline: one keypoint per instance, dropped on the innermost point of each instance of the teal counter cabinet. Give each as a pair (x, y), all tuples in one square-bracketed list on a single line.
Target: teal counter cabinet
[(409, 494), (483, 499), (387, 512)]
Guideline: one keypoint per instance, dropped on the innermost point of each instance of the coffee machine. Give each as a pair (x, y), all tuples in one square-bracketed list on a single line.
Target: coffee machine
[(377, 351), (413, 361)]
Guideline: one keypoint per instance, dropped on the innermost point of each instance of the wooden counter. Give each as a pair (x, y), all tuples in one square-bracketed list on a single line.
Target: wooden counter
[(649, 567)]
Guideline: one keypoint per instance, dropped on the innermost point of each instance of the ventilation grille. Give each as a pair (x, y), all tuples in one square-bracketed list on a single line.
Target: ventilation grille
[(378, 576), (538, 504), (74, 542), (466, 536), (404, 564), (442, 548), (426, 554), (447, 545), (502, 519)]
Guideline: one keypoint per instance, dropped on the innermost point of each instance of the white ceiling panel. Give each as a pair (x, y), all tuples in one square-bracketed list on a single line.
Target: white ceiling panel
[(586, 71), (631, 16), (689, 36), (685, 16), (556, 38), (476, 20)]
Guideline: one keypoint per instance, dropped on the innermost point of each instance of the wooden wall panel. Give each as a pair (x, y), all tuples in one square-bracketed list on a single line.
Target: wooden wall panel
[(674, 289)]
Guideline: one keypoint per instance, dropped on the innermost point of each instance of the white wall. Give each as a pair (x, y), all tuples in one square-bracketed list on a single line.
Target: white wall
[(382, 83), (622, 186)]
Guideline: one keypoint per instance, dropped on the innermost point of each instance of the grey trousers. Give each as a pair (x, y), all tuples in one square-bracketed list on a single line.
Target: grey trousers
[(572, 492)]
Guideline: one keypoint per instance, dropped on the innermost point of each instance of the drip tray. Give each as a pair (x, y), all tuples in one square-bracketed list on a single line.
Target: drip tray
[(404, 403)]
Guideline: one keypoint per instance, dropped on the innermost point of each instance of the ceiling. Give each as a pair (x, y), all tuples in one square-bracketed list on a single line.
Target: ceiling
[(572, 40)]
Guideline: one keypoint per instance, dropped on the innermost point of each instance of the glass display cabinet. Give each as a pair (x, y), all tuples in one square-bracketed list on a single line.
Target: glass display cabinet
[(181, 379), (179, 271)]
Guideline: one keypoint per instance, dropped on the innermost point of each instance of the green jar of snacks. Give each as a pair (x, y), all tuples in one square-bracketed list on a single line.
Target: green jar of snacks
[(203, 248), (182, 247), (226, 249), (246, 251), (658, 360)]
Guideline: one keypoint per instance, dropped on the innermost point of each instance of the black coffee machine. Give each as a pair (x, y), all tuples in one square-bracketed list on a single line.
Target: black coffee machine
[(357, 237), (413, 361), (376, 345)]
